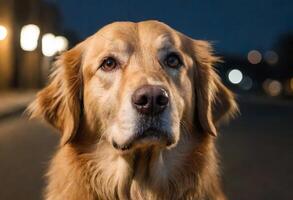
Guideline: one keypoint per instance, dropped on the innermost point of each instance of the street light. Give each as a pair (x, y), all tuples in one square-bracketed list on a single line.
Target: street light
[(271, 57), (29, 36), (3, 32), (48, 45), (235, 76), (272, 87), (61, 43), (254, 57), (52, 44)]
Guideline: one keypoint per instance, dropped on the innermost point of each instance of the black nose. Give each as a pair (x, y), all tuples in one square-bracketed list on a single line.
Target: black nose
[(150, 100)]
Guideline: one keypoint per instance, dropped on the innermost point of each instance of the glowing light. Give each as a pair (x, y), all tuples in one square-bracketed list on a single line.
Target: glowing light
[(48, 44), (235, 76), (29, 36), (254, 57), (3, 32), (271, 57), (246, 83), (291, 84), (272, 87), (51, 44), (61, 43)]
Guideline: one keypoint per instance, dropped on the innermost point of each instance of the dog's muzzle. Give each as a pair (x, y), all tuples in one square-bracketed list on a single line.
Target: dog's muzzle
[(150, 102)]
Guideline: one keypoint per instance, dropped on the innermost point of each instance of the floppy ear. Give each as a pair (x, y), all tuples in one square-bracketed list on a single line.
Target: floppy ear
[(59, 102), (215, 103)]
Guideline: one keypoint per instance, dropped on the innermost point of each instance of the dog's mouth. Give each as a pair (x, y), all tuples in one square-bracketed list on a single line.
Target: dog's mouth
[(150, 137)]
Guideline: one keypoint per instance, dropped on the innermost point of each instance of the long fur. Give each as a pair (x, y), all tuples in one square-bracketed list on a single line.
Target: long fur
[(89, 168)]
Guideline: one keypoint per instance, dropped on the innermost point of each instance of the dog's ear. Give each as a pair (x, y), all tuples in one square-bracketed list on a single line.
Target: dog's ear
[(59, 102), (214, 102)]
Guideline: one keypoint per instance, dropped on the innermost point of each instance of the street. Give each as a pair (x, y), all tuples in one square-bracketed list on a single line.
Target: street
[(256, 152)]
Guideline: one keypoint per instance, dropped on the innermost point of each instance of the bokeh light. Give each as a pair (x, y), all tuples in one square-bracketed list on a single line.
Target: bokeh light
[(51, 44), (246, 83), (271, 57), (291, 84), (254, 57), (235, 76), (272, 87), (61, 43), (48, 44), (3, 32), (29, 37)]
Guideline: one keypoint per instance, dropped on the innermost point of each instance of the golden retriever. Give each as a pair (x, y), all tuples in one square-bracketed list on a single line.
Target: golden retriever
[(137, 105)]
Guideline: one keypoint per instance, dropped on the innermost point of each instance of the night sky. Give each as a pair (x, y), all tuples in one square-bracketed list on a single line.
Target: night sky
[(235, 26)]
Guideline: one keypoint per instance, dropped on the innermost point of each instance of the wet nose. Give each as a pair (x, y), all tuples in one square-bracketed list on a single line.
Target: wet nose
[(150, 99)]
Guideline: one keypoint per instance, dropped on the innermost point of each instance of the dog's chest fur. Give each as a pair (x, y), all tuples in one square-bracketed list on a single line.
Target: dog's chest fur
[(147, 174)]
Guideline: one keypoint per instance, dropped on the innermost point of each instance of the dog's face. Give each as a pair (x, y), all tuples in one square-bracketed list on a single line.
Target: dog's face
[(140, 83), (137, 78)]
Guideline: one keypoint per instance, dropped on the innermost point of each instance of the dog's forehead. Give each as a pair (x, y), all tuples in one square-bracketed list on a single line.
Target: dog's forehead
[(153, 30), (147, 33), (121, 30)]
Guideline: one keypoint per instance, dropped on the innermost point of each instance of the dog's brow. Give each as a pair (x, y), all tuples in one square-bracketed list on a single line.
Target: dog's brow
[(116, 44), (164, 42)]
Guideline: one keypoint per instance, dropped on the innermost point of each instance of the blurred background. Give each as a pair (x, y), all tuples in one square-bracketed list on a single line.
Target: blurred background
[(254, 37)]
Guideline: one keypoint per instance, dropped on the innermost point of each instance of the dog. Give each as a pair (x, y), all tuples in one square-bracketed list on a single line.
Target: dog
[(138, 106)]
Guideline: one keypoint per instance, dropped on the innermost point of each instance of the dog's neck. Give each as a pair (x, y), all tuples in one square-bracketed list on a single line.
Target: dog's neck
[(150, 173)]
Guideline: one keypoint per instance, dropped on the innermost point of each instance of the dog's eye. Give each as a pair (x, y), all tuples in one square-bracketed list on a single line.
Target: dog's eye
[(173, 61), (109, 64)]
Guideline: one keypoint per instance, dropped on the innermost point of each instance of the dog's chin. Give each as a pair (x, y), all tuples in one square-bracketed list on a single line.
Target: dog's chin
[(149, 138)]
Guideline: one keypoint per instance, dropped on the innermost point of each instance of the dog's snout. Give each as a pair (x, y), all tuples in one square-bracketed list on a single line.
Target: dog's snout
[(150, 100)]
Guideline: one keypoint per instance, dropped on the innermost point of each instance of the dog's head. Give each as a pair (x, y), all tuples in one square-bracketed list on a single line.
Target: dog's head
[(134, 85)]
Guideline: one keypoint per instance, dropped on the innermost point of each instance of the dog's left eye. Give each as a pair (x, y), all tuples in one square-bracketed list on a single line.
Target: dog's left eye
[(109, 64), (173, 61)]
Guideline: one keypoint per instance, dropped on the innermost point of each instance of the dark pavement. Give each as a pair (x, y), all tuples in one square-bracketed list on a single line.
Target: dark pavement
[(25, 148), (256, 151)]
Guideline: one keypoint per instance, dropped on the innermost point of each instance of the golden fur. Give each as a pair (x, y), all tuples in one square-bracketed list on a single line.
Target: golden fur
[(91, 107)]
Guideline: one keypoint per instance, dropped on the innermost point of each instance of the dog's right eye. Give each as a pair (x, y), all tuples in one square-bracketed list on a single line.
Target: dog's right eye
[(109, 64)]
